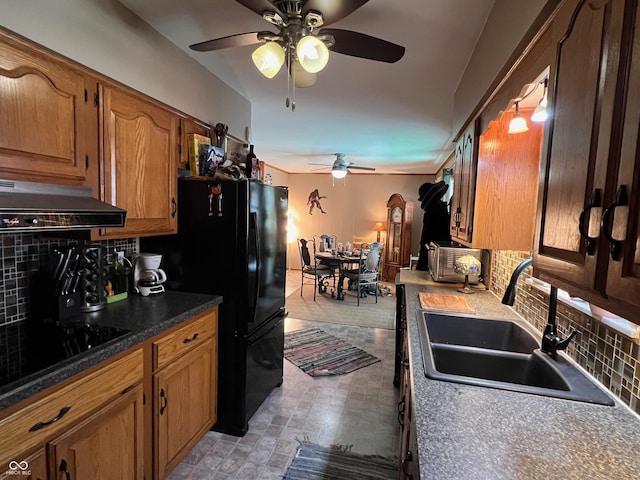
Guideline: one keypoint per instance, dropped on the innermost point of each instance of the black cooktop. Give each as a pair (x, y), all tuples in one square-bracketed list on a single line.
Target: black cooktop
[(29, 347)]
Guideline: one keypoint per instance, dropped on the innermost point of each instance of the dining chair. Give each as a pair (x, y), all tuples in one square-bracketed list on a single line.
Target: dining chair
[(311, 270), (367, 276)]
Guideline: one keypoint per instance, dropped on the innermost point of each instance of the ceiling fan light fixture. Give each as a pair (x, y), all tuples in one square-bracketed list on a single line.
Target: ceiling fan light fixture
[(312, 53), (518, 124), (268, 59), (339, 171), (301, 77)]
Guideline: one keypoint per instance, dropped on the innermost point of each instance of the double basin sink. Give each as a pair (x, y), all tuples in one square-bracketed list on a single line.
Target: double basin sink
[(499, 354)]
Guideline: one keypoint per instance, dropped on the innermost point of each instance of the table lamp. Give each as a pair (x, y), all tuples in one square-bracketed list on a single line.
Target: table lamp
[(467, 265), (378, 227)]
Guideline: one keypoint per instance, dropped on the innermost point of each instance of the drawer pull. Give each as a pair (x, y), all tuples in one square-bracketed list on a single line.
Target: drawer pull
[(163, 398), (40, 425), (187, 340), (65, 469)]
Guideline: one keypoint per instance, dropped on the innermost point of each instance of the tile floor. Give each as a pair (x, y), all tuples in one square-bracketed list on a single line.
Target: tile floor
[(358, 409)]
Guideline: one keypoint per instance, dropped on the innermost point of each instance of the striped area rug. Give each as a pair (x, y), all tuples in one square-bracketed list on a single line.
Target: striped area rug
[(317, 353), (313, 462)]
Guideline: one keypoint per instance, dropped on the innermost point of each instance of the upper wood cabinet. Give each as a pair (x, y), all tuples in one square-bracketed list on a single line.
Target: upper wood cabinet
[(464, 175), (48, 118), (587, 239), (139, 174), (496, 184)]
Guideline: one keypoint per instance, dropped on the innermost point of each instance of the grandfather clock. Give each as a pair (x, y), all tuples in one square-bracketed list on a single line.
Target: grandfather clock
[(398, 246)]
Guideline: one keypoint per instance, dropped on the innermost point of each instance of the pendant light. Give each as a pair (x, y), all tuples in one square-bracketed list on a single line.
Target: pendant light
[(540, 114), (518, 124)]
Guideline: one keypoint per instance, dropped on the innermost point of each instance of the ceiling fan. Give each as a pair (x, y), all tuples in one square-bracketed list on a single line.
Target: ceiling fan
[(302, 41), (341, 167)]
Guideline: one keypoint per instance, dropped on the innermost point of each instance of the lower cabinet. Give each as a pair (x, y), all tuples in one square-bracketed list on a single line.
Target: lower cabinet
[(99, 425), (408, 451), (184, 390), (106, 446), (30, 467)]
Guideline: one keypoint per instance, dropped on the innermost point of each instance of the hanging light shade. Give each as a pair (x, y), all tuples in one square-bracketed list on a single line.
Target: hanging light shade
[(312, 53), (518, 124), (540, 114), (301, 77), (339, 171), (268, 58)]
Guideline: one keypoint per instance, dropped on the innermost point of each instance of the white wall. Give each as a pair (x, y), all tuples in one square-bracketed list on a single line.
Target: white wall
[(506, 25), (352, 206), (107, 37)]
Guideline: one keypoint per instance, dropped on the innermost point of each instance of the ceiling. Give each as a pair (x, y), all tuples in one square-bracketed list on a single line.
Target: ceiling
[(394, 117)]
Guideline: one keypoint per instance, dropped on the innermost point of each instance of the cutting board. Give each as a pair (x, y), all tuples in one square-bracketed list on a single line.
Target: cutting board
[(436, 302)]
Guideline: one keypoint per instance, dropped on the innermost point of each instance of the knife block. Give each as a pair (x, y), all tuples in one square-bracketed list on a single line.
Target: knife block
[(68, 305)]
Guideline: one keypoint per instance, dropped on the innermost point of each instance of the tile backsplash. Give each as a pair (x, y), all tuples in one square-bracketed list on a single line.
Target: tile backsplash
[(609, 356), (22, 255)]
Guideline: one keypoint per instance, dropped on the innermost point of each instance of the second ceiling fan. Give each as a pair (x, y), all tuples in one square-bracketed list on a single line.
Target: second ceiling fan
[(341, 167), (302, 41)]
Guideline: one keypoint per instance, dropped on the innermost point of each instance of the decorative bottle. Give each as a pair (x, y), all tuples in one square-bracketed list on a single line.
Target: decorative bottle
[(249, 163)]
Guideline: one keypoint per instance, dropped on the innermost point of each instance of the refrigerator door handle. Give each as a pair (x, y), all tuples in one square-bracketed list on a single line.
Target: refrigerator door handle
[(253, 218)]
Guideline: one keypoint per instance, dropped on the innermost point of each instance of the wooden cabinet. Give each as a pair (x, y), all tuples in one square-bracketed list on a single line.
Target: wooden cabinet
[(48, 118), (106, 446), (398, 245), (587, 237), (60, 418), (496, 185), (184, 390), (408, 467), (464, 175), (27, 467), (139, 163)]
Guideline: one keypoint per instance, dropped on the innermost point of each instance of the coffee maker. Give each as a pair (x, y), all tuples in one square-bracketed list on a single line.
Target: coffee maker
[(148, 277)]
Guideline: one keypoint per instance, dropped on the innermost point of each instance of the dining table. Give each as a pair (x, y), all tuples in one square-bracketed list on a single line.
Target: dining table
[(342, 262)]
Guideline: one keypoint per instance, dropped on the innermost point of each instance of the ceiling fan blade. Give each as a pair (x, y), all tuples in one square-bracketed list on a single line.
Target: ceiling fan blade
[(237, 40), (364, 46), (355, 167), (332, 10), (261, 6)]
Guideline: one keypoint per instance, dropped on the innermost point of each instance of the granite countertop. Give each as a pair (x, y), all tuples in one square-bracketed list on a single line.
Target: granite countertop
[(144, 316), (472, 432)]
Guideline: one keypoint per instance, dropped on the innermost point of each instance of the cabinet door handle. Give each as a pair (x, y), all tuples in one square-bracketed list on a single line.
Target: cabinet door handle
[(594, 202), (65, 469), (622, 200), (188, 340), (40, 425), (174, 206), (401, 407), (407, 459), (163, 398)]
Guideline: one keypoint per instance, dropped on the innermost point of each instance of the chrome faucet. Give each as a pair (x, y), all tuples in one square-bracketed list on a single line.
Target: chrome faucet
[(551, 342)]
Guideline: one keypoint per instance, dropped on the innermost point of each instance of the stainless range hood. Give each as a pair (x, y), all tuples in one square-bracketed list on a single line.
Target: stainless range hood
[(34, 207)]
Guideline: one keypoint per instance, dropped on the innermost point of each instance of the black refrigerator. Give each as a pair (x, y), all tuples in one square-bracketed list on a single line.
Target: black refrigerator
[(232, 241)]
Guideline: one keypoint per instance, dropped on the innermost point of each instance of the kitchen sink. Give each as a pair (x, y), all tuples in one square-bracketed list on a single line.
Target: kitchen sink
[(479, 332), (499, 354)]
